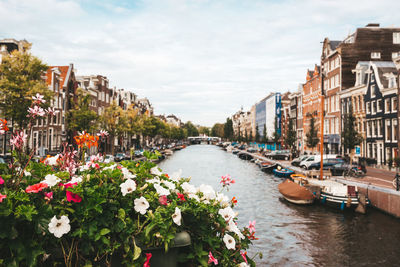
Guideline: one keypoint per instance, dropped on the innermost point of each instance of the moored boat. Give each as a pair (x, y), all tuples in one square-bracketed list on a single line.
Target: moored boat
[(296, 193), (282, 172), (268, 167)]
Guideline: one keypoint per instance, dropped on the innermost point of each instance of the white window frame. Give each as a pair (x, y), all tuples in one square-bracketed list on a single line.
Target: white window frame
[(375, 55), (372, 88), (392, 104), (387, 136), (394, 124), (387, 105), (395, 55), (396, 37), (373, 110), (378, 105), (368, 107)]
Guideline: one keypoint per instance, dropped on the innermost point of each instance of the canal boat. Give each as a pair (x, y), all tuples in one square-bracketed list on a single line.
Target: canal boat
[(296, 192), (268, 167), (282, 172), (244, 155), (339, 195)]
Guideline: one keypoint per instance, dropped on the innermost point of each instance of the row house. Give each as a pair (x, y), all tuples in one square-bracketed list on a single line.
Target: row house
[(7, 46), (285, 116), (298, 97), (247, 130), (48, 134), (311, 106), (338, 61), (238, 122), (173, 120)]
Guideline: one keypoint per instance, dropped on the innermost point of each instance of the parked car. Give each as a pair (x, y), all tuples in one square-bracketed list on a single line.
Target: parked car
[(108, 158), (279, 154), (328, 163), (314, 159), (242, 147), (296, 161), (119, 157), (340, 168)]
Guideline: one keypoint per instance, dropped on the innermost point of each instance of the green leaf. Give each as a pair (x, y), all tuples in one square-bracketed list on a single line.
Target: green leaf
[(121, 214), (137, 251), (104, 231)]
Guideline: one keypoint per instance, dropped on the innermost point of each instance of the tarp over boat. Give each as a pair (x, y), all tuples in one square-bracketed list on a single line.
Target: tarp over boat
[(294, 191)]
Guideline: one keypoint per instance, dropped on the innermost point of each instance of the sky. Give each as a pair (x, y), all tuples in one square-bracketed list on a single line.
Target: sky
[(202, 60)]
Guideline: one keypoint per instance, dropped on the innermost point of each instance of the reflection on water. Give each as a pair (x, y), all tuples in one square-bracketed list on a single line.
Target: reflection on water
[(291, 235)]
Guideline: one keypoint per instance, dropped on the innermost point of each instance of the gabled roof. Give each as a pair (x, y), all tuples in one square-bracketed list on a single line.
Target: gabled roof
[(334, 44), (383, 69), (64, 74)]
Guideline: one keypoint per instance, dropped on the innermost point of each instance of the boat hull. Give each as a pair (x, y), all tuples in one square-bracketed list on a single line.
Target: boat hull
[(295, 193), (283, 173)]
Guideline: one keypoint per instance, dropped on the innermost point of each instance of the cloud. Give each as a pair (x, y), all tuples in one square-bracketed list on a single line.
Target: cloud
[(201, 60)]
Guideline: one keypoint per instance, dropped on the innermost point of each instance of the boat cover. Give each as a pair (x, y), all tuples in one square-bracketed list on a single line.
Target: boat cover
[(294, 191)]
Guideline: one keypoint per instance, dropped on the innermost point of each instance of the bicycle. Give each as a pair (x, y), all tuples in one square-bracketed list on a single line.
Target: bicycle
[(353, 172)]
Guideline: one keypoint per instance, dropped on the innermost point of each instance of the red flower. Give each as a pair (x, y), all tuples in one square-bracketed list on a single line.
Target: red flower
[(2, 197), (71, 197), (48, 196), (167, 175), (234, 201), (181, 196), (36, 188), (211, 259), (148, 257), (243, 254), (163, 200), (1, 180), (68, 185)]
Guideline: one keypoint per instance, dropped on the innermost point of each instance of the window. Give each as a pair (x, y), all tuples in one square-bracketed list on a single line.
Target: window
[(373, 107), (372, 89), (395, 55), (388, 127), (379, 122), (373, 125), (376, 55), (396, 37), (337, 125), (369, 129), (394, 104), (392, 82), (368, 104), (394, 130), (379, 105), (387, 105)]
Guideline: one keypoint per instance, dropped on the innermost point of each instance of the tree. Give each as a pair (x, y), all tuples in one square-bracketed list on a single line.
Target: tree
[(204, 130), (276, 135), (114, 122), (20, 79), (265, 138), (228, 129), (191, 129), (218, 130), (350, 136), (81, 117), (257, 134), (246, 137), (312, 135), (290, 139)]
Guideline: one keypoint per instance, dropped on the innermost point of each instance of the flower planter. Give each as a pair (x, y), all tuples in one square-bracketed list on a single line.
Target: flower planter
[(160, 258)]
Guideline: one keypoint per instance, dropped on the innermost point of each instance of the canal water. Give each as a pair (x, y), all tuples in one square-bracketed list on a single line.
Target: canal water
[(291, 235)]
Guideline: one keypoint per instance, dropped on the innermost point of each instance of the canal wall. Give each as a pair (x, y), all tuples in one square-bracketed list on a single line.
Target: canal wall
[(384, 199)]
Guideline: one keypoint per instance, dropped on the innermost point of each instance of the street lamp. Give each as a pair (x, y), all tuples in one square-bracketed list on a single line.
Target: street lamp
[(322, 120)]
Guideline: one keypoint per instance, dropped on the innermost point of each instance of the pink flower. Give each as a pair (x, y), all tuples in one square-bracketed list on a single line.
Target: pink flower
[(48, 195), (2, 197), (148, 257), (36, 111), (18, 140), (181, 196), (211, 259), (51, 111), (227, 180), (251, 226), (36, 188), (243, 254), (163, 200), (102, 133), (38, 98), (71, 197), (1, 180), (119, 167)]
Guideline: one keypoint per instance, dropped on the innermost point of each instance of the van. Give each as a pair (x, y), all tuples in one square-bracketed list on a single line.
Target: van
[(314, 159)]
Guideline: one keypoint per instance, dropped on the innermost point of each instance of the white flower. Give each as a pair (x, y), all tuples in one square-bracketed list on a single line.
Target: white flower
[(155, 180), (161, 190), (229, 241), (243, 264), (112, 167), (222, 199), (188, 188), (141, 205), (127, 174), (76, 179), (170, 185), (26, 173), (232, 227), (194, 196), (128, 187), (208, 191), (51, 180), (227, 213), (176, 176), (83, 168), (176, 217), (59, 227), (52, 160), (155, 171)]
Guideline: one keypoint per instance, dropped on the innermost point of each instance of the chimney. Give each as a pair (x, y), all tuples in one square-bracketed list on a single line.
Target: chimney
[(371, 25)]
